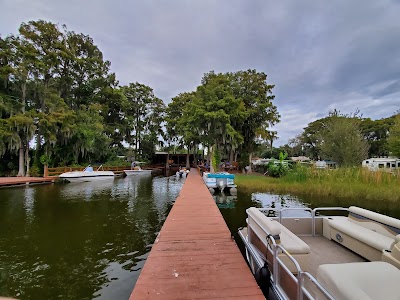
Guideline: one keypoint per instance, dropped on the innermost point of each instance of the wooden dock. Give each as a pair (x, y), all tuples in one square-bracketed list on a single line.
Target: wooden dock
[(194, 256), (14, 181)]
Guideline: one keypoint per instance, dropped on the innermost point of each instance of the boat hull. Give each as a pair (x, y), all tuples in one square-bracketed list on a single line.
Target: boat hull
[(219, 181), (137, 172), (87, 176)]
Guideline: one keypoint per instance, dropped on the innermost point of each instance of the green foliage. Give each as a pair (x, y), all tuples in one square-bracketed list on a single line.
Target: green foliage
[(44, 159), (343, 141), (374, 132), (279, 168), (35, 171), (56, 88), (394, 137), (144, 117), (351, 182), (216, 158), (227, 110)]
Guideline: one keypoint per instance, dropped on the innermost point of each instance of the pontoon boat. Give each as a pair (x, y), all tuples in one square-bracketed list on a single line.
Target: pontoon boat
[(323, 253)]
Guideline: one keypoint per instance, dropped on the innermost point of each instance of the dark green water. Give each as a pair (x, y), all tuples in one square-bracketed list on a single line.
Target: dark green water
[(90, 240), (233, 209), (80, 240)]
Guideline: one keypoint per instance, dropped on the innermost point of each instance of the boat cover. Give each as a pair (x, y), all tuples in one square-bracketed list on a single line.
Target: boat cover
[(217, 175)]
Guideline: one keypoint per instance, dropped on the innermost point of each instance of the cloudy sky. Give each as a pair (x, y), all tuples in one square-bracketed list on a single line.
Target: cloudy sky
[(321, 55)]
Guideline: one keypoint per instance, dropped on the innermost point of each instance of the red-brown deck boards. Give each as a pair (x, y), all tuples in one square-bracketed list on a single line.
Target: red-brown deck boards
[(194, 256), (9, 181)]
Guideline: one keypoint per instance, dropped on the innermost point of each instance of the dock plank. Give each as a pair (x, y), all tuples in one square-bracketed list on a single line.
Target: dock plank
[(194, 256), (10, 181)]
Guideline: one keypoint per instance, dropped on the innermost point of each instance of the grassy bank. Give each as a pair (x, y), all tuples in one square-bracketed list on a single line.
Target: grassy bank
[(341, 183)]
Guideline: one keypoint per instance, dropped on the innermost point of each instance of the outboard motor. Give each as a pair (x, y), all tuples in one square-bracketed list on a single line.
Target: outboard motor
[(263, 278)]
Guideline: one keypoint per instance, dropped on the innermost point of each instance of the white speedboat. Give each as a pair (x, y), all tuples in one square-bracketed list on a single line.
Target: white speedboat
[(137, 171), (88, 174), (323, 253)]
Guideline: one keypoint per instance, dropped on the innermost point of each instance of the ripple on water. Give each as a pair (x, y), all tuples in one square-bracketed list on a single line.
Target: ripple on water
[(80, 241)]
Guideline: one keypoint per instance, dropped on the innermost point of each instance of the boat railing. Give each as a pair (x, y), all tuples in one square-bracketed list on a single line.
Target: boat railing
[(277, 262), (278, 213), (100, 167), (317, 209), (303, 290)]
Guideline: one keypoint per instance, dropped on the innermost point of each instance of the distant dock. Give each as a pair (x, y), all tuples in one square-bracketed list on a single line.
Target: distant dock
[(18, 181), (194, 256)]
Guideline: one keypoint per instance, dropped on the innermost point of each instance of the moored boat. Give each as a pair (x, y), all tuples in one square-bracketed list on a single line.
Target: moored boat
[(219, 181), (182, 173), (323, 253), (88, 174), (137, 171)]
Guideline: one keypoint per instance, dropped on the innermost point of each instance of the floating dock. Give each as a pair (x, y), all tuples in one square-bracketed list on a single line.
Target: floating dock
[(15, 181), (194, 256)]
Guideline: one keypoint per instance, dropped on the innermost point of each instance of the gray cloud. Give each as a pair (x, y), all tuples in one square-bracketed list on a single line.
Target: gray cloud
[(321, 55)]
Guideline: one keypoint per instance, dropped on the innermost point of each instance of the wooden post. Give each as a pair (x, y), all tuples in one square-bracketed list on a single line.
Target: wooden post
[(167, 162), (46, 171)]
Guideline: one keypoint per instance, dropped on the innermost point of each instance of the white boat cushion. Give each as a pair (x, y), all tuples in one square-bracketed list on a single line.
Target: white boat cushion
[(288, 240), (363, 280), (267, 224), (292, 243), (364, 235), (392, 228)]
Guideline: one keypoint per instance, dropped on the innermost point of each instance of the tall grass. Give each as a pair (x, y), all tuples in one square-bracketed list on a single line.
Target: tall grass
[(341, 183)]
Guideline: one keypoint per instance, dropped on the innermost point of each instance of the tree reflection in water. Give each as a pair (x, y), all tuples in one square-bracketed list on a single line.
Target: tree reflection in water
[(80, 241)]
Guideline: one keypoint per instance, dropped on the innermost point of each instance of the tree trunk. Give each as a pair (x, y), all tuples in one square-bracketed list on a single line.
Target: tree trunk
[(211, 155), (187, 159), (272, 140), (167, 162), (249, 170), (46, 171), (21, 164), (195, 154), (231, 156), (137, 134), (23, 100), (27, 160)]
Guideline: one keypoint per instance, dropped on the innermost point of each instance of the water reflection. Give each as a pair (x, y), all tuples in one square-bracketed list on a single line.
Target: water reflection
[(85, 190), (292, 205), (225, 200), (29, 200), (80, 241)]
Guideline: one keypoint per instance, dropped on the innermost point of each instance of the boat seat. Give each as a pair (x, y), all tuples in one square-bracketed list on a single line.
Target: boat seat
[(261, 225), (362, 234), (362, 280), (392, 256), (365, 232)]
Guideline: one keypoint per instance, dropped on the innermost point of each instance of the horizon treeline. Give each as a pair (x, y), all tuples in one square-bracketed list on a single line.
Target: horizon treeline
[(60, 105)]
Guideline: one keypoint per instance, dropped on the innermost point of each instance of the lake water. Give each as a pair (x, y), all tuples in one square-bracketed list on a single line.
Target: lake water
[(80, 240), (90, 240)]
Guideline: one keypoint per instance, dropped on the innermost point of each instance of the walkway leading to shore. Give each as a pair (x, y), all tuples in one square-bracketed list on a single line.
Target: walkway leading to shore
[(11, 181), (194, 256)]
